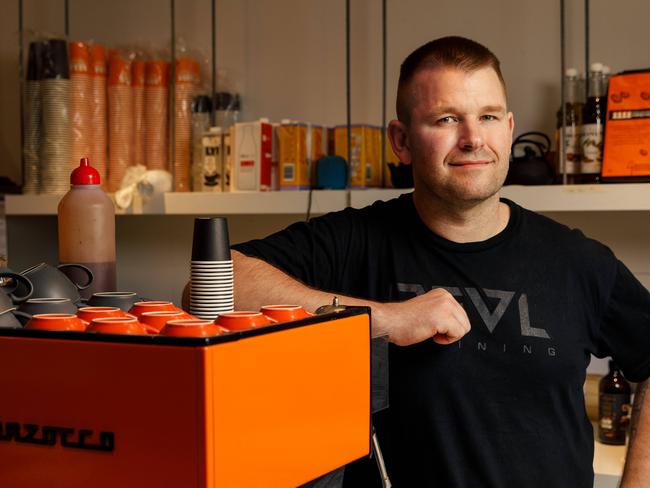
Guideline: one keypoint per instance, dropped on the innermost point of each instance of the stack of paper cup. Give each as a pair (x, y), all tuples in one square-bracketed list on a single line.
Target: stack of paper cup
[(32, 120), (98, 111), (55, 122), (155, 114), (137, 81), (120, 120), (211, 270), (187, 78), (81, 92)]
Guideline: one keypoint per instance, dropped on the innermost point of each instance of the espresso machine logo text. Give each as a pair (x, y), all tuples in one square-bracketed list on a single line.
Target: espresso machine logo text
[(48, 435)]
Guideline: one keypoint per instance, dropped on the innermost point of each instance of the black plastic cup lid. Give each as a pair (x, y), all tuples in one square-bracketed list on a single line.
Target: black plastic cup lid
[(202, 104), (210, 241), (34, 61), (223, 101), (55, 63)]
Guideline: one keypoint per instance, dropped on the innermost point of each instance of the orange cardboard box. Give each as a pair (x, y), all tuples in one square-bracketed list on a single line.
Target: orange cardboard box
[(626, 152)]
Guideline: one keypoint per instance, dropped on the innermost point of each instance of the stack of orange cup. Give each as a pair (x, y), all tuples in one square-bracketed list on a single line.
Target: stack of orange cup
[(98, 112), (81, 93), (187, 74), (120, 119), (156, 82), (137, 81)]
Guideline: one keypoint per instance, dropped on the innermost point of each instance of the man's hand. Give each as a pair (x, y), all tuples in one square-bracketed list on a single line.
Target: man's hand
[(435, 314)]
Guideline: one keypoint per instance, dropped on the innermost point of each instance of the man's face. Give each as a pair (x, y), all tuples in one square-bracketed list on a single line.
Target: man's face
[(459, 134)]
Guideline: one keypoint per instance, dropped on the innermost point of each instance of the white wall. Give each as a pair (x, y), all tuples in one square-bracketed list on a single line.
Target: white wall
[(287, 57)]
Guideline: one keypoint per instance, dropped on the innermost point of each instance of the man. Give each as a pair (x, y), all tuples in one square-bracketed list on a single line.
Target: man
[(493, 310)]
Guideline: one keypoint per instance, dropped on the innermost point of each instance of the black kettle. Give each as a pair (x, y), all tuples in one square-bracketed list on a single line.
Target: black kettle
[(533, 167)]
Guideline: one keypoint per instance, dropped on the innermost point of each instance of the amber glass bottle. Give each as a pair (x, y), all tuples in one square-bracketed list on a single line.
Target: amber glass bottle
[(613, 407)]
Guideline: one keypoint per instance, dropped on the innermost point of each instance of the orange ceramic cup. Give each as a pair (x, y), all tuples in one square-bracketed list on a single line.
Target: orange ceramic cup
[(89, 314), (242, 320), (157, 320), (191, 328), (56, 321), (117, 325), (139, 308), (285, 313)]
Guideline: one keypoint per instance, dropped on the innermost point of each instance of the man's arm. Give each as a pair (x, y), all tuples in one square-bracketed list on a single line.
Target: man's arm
[(637, 464), (435, 314)]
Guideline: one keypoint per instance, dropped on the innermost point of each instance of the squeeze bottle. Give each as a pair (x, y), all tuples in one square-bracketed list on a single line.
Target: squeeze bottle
[(86, 224)]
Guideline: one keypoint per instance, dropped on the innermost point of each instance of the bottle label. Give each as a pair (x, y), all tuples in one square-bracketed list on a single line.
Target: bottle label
[(613, 414), (209, 168), (571, 148), (591, 145)]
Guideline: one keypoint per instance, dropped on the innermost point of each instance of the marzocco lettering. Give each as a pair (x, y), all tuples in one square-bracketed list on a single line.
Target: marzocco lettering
[(48, 435)]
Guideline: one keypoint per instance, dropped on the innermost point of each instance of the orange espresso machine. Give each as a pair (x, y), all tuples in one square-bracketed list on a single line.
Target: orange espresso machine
[(273, 406)]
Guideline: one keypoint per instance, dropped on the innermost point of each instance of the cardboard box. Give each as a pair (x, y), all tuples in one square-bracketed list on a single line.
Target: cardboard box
[(299, 147), (252, 148), (626, 152), (365, 164), (208, 169)]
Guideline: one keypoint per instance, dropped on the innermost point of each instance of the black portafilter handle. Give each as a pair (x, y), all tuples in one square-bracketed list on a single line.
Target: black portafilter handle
[(210, 241)]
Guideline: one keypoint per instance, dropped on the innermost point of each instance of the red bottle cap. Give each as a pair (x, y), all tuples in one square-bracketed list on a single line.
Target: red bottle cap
[(85, 174)]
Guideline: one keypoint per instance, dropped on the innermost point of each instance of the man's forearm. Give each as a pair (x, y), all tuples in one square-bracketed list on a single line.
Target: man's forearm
[(435, 314), (637, 464), (257, 283)]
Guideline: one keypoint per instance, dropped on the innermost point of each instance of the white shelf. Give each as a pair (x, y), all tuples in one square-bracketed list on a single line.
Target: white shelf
[(569, 198), (581, 198), (276, 202)]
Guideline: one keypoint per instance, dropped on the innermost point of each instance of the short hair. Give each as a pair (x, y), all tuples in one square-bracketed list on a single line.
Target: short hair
[(452, 51)]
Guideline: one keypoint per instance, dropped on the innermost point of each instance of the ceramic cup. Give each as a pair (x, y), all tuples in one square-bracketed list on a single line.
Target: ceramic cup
[(49, 281), (8, 320), (118, 325), (242, 320), (35, 306), (139, 308), (88, 314), (191, 328), (159, 319), (285, 313), (56, 321), (120, 299), (18, 290)]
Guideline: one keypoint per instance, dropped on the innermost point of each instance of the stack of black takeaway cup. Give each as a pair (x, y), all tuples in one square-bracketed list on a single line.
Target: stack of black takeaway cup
[(211, 270)]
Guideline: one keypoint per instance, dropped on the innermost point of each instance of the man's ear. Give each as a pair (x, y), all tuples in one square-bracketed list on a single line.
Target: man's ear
[(398, 135)]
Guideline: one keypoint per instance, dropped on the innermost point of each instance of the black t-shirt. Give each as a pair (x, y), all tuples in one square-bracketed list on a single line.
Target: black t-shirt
[(504, 407)]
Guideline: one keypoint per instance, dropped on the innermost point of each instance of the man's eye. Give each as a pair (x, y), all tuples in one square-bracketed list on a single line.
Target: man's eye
[(447, 120), (489, 117)]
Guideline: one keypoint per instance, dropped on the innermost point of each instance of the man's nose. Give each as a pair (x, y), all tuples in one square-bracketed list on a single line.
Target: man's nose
[(471, 136)]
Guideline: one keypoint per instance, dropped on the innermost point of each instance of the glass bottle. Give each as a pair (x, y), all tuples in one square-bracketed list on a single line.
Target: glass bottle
[(569, 132), (613, 407), (591, 130)]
